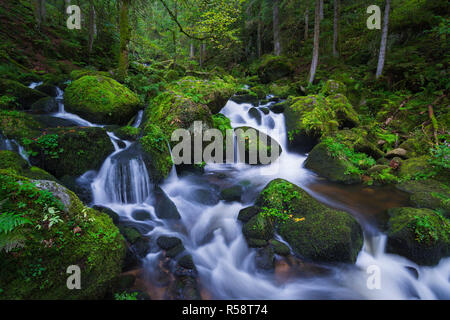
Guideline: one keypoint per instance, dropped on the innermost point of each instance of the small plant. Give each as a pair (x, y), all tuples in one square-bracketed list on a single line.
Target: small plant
[(126, 296)]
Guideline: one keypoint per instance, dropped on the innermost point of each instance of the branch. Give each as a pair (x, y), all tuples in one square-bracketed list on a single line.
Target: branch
[(174, 18)]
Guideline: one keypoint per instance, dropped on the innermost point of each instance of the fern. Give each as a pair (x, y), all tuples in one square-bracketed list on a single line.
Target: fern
[(9, 221)]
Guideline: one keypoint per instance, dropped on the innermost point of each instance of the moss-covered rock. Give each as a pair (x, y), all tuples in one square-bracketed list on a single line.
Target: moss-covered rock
[(421, 235), (430, 194), (45, 105), (18, 125), (101, 100), (358, 139), (24, 96), (58, 231), (13, 161), (77, 74), (272, 68), (256, 143), (412, 167), (311, 117), (334, 167), (313, 230), (128, 133), (55, 150)]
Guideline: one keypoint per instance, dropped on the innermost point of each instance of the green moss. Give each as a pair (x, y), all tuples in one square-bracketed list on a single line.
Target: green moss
[(18, 125), (313, 230), (77, 74), (156, 146), (55, 150), (24, 96), (421, 235), (429, 193), (77, 235), (101, 100), (413, 167), (128, 133)]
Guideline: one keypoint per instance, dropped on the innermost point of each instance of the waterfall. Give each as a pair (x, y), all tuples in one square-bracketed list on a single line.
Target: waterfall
[(12, 145)]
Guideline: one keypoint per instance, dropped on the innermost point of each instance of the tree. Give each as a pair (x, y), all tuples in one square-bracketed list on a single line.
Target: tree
[(384, 36), (124, 39), (40, 12), (336, 28), (315, 57), (306, 23), (92, 26), (276, 28), (321, 9)]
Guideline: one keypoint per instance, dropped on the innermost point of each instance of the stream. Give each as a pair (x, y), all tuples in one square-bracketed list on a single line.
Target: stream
[(212, 234)]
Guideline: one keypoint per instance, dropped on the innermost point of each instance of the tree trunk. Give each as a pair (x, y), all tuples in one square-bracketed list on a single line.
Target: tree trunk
[(315, 57), (336, 28), (384, 36), (276, 28), (192, 51), (124, 40), (259, 38), (306, 23), (321, 9), (91, 26), (39, 11)]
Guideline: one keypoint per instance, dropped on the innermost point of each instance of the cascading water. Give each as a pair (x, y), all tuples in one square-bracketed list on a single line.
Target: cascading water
[(212, 234)]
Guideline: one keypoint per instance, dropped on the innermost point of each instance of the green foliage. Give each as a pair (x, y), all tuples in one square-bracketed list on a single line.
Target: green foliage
[(46, 143), (440, 157), (126, 296), (359, 161)]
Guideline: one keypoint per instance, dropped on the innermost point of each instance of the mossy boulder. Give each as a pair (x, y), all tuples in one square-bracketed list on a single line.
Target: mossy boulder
[(414, 166), (416, 146), (24, 96), (55, 150), (429, 193), (313, 230), (45, 105), (39, 253), (255, 143), (421, 235), (213, 93), (13, 161), (309, 118), (101, 100), (18, 125), (77, 74), (359, 140), (128, 133), (272, 68), (333, 87), (324, 162)]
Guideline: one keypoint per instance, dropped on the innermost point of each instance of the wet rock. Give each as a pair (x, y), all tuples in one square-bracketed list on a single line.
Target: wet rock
[(48, 89), (232, 194), (255, 114), (265, 110), (280, 248), (141, 215), (247, 213), (124, 282), (413, 271), (206, 197), (265, 258), (420, 235), (278, 107), (45, 105), (256, 243), (167, 243), (164, 207), (131, 234), (186, 262)]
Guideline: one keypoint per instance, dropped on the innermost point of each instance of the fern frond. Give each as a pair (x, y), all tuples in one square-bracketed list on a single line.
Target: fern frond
[(9, 221)]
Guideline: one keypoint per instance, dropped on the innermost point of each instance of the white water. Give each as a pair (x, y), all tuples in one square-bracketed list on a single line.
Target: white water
[(214, 238)]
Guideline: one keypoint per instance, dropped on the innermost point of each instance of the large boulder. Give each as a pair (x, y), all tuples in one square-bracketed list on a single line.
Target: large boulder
[(333, 166), (101, 100), (24, 96), (18, 125), (13, 161), (429, 193), (421, 235), (414, 166), (313, 230), (69, 151), (255, 142), (311, 117), (53, 231)]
